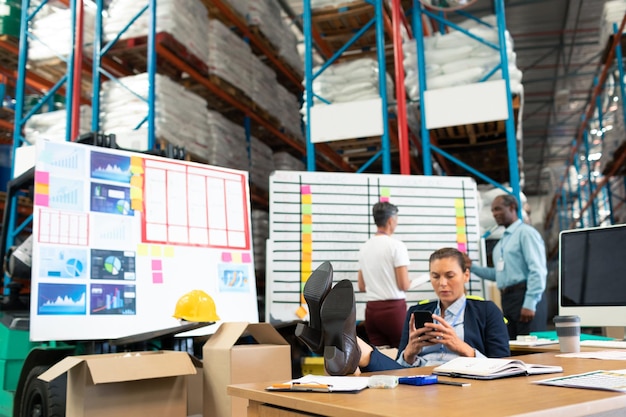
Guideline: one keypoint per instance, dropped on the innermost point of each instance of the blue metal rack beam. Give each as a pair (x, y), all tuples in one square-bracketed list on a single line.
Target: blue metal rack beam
[(427, 147), (377, 22)]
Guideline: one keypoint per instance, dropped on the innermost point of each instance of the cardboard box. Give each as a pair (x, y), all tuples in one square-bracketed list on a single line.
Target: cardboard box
[(125, 384), (226, 363)]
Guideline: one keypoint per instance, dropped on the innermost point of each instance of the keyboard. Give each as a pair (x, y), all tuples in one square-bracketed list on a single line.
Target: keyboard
[(608, 344)]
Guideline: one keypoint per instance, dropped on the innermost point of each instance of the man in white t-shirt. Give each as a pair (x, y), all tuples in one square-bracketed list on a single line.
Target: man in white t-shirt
[(384, 277)]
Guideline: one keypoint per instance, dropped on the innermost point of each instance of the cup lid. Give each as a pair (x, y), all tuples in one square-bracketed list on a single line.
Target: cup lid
[(566, 319)]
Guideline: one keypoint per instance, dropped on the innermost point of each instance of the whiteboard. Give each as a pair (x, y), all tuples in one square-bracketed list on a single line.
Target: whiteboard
[(318, 216), (119, 237)]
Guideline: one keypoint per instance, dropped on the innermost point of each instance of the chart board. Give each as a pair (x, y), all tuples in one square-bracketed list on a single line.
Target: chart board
[(119, 237), (318, 216)]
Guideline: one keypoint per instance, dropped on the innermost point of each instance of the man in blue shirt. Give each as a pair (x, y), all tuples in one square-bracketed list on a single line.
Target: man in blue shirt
[(519, 270)]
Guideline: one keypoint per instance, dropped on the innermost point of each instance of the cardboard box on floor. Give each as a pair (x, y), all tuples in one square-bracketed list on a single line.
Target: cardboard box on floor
[(125, 384), (226, 363)]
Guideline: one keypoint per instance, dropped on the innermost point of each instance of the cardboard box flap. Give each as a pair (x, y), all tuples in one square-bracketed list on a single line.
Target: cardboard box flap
[(265, 333), (61, 367), (140, 365), (131, 366), (229, 333)]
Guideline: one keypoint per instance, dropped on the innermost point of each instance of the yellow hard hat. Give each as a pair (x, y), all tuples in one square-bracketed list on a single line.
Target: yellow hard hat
[(197, 306)]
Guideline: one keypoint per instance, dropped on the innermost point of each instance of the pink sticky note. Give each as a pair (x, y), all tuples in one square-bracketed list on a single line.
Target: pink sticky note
[(462, 247), (157, 265), (42, 200), (246, 258), (384, 199), (305, 189), (157, 277), (42, 177), (227, 257)]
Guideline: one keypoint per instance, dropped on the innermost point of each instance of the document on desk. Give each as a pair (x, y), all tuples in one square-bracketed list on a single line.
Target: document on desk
[(530, 343), (491, 368), (612, 355), (601, 380), (317, 383)]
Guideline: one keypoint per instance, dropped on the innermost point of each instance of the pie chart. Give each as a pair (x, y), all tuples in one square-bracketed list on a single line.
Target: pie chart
[(74, 267), (113, 265), (123, 207)]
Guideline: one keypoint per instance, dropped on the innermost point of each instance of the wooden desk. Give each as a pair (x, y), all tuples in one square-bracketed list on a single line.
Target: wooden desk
[(514, 396)]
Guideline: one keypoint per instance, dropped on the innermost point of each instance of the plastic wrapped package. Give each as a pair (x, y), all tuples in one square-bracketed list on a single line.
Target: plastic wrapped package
[(454, 59), (289, 115), (265, 14), (52, 125), (261, 163), (180, 115), (185, 21), (288, 49), (284, 161), (226, 143), (263, 85), (229, 56), (52, 34)]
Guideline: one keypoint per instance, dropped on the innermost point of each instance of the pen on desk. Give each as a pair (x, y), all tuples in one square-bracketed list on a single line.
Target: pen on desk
[(456, 384)]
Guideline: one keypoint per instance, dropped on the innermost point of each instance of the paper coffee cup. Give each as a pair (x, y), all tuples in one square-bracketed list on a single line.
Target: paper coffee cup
[(568, 332)]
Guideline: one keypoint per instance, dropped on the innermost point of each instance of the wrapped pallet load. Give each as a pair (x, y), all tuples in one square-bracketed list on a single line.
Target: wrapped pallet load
[(186, 21), (226, 143), (180, 115), (54, 29), (454, 59), (53, 125), (261, 163), (350, 81)]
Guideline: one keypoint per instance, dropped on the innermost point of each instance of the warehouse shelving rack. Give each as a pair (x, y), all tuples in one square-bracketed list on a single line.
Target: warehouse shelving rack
[(419, 12), (581, 204)]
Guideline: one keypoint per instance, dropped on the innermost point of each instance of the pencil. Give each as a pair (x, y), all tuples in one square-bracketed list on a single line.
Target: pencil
[(456, 384)]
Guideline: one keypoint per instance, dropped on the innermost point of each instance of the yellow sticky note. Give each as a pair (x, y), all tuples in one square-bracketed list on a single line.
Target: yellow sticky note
[(136, 193), (307, 219), (459, 203), (461, 239), (42, 188), (460, 221), (307, 238), (307, 257), (237, 257), (136, 165), (301, 312), (155, 251), (136, 204), (136, 181), (168, 251), (142, 249), (306, 199), (307, 247)]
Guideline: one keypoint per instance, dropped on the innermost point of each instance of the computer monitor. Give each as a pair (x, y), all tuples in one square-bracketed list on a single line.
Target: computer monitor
[(592, 275)]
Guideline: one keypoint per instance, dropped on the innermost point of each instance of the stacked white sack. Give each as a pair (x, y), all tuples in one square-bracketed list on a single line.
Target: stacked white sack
[(226, 143), (456, 59), (185, 20), (284, 161), (260, 221), (348, 82), (613, 12), (263, 85), (266, 15), (53, 33), (52, 125), (261, 163), (229, 57), (289, 115), (180, 115)]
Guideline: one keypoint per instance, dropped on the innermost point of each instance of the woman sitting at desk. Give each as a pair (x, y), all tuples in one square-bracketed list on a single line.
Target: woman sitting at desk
[(462, 326)]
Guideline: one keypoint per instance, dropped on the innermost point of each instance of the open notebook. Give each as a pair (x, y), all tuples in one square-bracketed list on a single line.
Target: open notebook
[(491, 368)]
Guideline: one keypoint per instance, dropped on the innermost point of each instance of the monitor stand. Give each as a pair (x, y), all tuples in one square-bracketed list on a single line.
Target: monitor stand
[(614, 332)]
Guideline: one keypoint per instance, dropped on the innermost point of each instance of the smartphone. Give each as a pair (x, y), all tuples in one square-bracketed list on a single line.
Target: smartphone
[(422, 317)]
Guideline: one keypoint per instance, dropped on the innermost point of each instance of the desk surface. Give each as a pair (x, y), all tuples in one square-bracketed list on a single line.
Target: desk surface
[(514, 396)]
